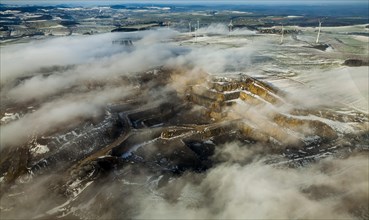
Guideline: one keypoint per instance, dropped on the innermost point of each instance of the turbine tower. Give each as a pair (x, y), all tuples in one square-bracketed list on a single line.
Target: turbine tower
[(317, 37), (195, 33), (282, 35), (189, 26), (230, 26), (196, 29)]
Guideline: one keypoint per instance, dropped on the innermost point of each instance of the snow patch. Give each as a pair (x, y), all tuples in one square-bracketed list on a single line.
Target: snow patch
[(340, 127), (39, 149), (10, 117), (294, 16)]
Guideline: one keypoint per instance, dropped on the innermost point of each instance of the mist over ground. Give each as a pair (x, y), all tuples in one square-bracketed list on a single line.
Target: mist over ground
[(68, 80), (257, 191), (92, 61)]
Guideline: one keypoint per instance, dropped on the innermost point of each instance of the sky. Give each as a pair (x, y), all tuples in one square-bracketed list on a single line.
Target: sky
[(97, 2)]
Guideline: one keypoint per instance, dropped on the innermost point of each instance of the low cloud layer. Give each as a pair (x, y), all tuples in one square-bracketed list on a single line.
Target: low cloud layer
[(332, 189), (48, 72), (345, 85), (223, 29), (53, 116), (239, 186), (81, 91), (243, 187)]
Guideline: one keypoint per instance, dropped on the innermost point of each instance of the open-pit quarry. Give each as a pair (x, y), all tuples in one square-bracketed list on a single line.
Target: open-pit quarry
[(140, 111), (147, 145)]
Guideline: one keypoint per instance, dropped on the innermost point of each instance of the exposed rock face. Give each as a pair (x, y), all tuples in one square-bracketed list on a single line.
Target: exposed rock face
[(139, 27), (277, 31), (356, 62), (169, 138), (124, 42), (321, 47)]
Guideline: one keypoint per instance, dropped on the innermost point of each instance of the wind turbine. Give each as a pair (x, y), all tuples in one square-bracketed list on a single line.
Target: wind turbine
[(230, 26), (189, 27), (195, 33), (196, 29), (317, 37), (282, 35)]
